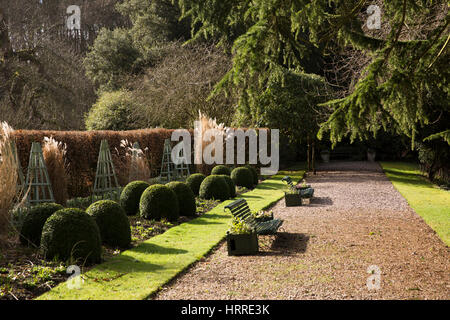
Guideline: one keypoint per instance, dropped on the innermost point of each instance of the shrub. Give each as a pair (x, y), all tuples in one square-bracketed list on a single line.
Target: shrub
[(172, 74), (136, 161), (112, 56), (34, 221), (185, 196), (112, 111), (214, 187), (221, 169), (158, 201), (194, 181), (231, 185), (254, 174), (242, 177), (131, 196), (71, 234), (112, 222)]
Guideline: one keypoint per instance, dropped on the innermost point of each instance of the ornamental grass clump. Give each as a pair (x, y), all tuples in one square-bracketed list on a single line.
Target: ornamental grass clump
[(136, 161), (8, 177), (54, 155), (206, 124)]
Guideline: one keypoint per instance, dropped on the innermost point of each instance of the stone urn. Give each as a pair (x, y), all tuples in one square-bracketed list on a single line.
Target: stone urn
[(371, 155), (325, 155)]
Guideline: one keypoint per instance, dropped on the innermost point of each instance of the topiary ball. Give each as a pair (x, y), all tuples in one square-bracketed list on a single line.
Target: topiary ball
[(214, 187), (242, 177), (231, 185), (186, 198), (34, 220), (194, 181), (221, 169), (131, 195), (159, 201), (254, 174), (71, 234), (112, 221)]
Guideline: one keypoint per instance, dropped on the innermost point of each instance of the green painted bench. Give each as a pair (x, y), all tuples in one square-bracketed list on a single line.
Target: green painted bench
[(306, 192), (241, 210)]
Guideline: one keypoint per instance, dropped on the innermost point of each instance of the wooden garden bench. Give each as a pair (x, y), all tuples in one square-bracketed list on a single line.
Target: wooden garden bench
[(241, 210), (307, 192)]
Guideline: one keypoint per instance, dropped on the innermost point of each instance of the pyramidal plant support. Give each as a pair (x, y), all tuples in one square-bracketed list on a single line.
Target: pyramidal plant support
[(106, 184), (168, 170), (40, 188)]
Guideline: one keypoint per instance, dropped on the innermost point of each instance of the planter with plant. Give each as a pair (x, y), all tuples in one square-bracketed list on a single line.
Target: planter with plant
[(292, 198), (262, 216), (325, 155), (303, 185), (371, 154), (241, 239)]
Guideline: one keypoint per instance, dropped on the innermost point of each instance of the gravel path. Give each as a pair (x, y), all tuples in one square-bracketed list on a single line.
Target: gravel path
[(357, 220)]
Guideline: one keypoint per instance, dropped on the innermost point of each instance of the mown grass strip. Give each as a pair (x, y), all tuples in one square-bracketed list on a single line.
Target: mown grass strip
[(139, 272), (430, 202)]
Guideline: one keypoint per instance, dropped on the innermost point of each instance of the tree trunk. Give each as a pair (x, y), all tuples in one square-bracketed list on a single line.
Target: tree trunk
[(5, 43), (308, 153), (313, 158)]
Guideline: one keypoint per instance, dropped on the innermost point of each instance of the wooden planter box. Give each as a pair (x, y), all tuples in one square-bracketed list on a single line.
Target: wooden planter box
[(242, 244), (292, 199)]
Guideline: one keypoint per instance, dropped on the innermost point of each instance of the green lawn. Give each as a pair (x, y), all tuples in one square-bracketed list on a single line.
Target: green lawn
[(139, 272), (430, 202)]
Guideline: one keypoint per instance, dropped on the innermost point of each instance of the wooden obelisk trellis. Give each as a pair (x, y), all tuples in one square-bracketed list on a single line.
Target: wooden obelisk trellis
[(168, 172), (106, 185), (38, 181)]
